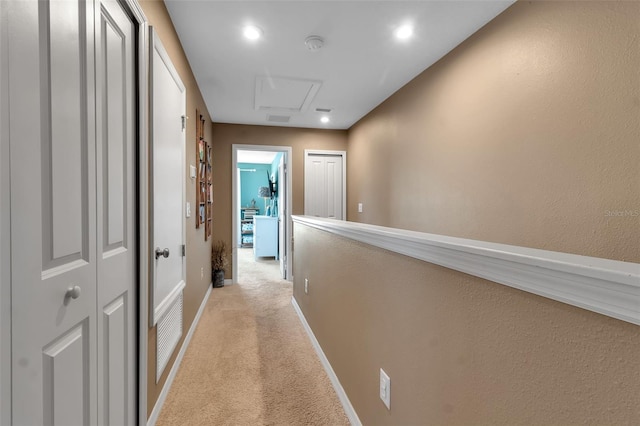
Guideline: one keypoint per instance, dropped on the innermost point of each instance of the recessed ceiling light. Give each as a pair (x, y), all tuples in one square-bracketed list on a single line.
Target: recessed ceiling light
[(325, 119), (252, 32), (404, 32)]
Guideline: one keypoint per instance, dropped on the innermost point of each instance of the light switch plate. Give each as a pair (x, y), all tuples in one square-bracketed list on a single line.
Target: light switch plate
[(385, 389), (192, 171), (359, 207), (188, 209)]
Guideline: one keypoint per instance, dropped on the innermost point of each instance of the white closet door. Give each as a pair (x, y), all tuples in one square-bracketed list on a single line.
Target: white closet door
[(116, 230), (324, 185), (53, 209), (73, 208)]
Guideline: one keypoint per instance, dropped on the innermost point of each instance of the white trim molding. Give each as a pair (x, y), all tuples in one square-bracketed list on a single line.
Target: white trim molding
[(342, 395), (605, 286), (142, 58)]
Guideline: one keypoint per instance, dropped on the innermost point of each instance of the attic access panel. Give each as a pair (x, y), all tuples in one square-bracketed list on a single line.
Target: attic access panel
[(285, 94)]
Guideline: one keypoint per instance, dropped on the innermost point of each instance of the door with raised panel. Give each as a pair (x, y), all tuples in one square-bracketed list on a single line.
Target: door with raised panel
[(324, 183), (116, 201), (168, 103), (53, 212), (72, 122)]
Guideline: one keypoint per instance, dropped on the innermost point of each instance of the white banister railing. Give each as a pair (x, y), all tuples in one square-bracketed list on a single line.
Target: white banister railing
[(609, 287)]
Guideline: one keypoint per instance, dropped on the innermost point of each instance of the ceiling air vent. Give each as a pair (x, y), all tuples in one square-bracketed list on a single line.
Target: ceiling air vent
[(323, 109), (278, 118)]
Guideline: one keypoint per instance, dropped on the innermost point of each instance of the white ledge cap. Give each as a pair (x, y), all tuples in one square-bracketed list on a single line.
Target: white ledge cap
[(609, 287)]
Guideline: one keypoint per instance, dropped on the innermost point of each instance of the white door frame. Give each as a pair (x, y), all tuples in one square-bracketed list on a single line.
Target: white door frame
[(343, 154), (234, 197), (143, 197)]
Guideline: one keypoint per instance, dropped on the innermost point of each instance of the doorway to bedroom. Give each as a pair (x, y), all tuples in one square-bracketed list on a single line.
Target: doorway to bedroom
[(261, 208)]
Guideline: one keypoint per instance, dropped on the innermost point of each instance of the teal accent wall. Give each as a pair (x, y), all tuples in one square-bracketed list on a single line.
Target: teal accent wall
[(274, 167), (251, 181)]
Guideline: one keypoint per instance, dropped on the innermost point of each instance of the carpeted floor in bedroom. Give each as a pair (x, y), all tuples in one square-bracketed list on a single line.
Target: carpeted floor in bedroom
[(250, 361)]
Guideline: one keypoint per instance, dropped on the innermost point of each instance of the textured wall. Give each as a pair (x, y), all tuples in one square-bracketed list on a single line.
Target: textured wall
[(527, 134), (198, 250), (460, 349), (226, 135)]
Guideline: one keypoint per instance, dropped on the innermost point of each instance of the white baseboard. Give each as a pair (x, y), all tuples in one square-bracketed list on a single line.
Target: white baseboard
[(228, 281), (342, 395), (153, 418)]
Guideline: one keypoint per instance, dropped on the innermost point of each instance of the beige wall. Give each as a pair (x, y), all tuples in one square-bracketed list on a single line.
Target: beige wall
[(226, 135), (526, 134), (198, 250), (460, 349)]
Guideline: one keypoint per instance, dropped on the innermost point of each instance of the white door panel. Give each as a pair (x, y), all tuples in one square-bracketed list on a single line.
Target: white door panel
[(324, 184), (116, 241), (53, 212), (168, 141), (116, 364), (66, 393)]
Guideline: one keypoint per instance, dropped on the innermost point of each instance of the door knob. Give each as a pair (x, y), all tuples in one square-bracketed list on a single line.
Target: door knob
[(164, 253), (72, 292)]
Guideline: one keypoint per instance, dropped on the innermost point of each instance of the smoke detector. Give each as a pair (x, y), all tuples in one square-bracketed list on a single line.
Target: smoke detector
[(314, 42)]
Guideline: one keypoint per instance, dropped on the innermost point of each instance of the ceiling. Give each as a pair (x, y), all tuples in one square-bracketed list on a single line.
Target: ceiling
[(276, 80)]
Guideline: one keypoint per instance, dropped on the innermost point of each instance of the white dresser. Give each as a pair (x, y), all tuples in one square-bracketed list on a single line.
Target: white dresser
[(265, 236)]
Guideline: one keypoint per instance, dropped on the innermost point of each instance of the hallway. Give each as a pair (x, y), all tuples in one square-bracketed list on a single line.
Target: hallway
[(250, 361)]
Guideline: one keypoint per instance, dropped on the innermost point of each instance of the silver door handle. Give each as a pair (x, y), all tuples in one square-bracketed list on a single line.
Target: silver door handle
[(164, 253), (72, 292)]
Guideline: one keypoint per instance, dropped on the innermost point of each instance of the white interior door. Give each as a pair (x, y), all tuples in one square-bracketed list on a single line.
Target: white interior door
[(324, 184), (116, 201), (53, 204), (168, 145)]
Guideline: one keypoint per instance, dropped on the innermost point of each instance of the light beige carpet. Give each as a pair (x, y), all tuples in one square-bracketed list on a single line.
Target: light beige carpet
[(250, 361)]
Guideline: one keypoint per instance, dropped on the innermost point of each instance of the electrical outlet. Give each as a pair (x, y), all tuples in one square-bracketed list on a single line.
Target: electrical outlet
[(385, 389), (202, 272), (359, 207), (306, 286)]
